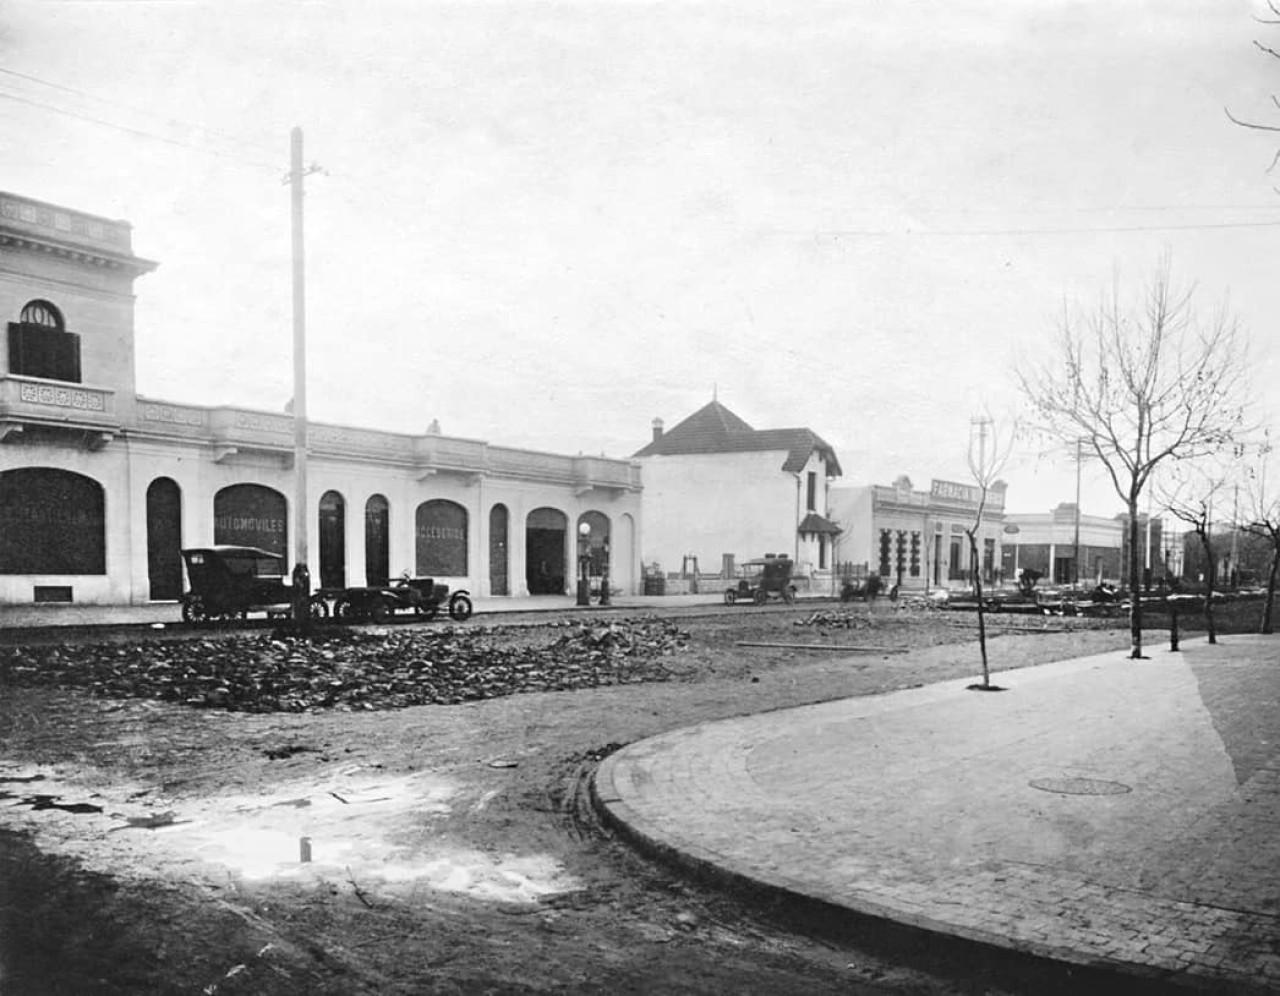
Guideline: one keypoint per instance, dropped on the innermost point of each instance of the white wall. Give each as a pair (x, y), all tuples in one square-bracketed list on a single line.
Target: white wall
[(708, 505)]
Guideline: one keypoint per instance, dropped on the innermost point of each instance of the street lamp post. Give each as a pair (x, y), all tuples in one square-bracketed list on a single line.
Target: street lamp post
[(584, 563), (604, 574)]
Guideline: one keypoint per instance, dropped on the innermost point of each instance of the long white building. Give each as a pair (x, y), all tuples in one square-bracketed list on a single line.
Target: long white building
[(101, 488)]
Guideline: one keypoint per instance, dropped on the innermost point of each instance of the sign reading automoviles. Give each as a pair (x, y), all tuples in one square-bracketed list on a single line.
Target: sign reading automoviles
[(251, 515)]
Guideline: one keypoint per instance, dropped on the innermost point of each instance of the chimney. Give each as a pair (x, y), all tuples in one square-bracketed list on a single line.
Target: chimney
[(657, 429)]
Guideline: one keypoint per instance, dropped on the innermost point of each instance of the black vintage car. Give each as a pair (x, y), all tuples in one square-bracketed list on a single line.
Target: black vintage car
[(377, 603), (228, 582), (769, 577)]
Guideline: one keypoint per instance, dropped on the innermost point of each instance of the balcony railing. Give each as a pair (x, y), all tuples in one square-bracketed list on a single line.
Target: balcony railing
[(32, 401)]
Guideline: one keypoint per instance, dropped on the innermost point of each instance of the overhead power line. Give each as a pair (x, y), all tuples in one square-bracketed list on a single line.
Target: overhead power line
[(1080, 230), (9, 94)]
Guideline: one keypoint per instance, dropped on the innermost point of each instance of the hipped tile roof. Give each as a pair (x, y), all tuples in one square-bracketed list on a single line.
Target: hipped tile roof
[(815, 523), (715, 429)]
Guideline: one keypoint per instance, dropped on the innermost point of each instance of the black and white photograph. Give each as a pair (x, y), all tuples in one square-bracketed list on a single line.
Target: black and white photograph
[(639, 496)]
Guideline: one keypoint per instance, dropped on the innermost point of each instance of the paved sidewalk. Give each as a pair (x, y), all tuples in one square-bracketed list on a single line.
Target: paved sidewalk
[(1104, 812)]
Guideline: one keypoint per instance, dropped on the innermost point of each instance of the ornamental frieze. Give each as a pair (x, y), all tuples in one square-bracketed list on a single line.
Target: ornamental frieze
[(353, 438), (264, 423), (63, 397), (172, 415)]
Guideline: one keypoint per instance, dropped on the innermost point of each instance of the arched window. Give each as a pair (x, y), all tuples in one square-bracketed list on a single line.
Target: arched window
[(442, 539), (40, 345), (333, 540), (251, 515), (51, 522), (44, 314)]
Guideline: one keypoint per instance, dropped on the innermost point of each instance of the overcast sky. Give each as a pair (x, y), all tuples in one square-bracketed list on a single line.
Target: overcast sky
[(547, 224)]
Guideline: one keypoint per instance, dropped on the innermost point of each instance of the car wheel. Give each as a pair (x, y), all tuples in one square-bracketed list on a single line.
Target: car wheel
[(380, 611), (319, 609), (730, 597), (761, 596), (193, 611), (460, 608)]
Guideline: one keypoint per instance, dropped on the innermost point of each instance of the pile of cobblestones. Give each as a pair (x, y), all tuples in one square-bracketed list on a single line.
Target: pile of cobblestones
[(353, 669)]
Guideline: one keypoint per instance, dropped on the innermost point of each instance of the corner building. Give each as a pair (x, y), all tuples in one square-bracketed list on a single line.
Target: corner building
[(101, 488), (916, 539)]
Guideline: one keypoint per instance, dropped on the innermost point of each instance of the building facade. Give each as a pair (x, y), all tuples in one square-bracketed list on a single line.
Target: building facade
[(917, 539), (718, 492), (1054, 543), (101, 488)]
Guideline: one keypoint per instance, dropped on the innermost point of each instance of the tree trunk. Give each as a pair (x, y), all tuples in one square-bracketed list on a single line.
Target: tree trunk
[(1135, 602), (982, 619), (1271, 583), (1210, 576)]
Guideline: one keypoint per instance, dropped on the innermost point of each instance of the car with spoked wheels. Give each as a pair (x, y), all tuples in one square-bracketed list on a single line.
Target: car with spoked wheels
[(424, 597)]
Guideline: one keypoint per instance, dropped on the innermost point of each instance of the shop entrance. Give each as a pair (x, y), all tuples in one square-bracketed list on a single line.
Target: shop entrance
[(545, 533)]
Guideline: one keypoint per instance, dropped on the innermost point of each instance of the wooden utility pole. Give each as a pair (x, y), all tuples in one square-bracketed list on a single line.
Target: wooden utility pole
[(301, 572)]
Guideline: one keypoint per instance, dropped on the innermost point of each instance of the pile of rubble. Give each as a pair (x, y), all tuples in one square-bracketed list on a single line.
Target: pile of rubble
[(352, 669)]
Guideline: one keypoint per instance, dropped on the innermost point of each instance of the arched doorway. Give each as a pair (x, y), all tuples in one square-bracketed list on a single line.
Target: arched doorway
[(164, 539), (499, 577), (545, 533), (251, 515), (333, 540), (377, 544)]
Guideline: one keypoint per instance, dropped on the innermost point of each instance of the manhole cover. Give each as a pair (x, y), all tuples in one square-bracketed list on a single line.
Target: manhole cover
[(1079, 786)]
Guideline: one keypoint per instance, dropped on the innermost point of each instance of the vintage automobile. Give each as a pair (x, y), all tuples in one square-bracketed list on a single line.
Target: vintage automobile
[(228, 582), (769, 577), (378, 603)]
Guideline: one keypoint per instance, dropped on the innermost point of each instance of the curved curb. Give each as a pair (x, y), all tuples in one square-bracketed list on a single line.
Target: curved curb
[(860, 910)]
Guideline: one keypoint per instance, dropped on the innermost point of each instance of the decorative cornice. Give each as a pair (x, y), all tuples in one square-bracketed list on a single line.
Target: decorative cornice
[(83, 238)]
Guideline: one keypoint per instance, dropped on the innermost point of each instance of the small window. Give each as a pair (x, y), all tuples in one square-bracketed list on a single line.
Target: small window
[(40, 346), (44, 314)]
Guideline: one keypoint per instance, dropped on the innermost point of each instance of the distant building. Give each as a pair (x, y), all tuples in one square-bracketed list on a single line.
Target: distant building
[(916, 539), (100, 488), (1052, 543), (719, 492)]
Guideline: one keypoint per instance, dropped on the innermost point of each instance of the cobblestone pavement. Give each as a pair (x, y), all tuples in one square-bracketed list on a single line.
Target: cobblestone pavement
[(1101, 811)]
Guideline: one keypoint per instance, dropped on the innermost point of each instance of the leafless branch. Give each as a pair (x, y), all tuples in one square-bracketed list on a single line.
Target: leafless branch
[(1248, 124)]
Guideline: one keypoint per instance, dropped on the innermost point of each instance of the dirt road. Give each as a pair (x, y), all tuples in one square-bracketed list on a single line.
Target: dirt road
[(151, 847)]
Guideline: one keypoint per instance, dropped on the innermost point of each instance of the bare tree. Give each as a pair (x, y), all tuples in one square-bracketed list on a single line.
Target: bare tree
[(1264, 521), (1140, 385), (1266, 50), (1189, 494), (986, 462)]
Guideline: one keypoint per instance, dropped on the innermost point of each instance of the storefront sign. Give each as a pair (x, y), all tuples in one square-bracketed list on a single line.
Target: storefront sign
[(441, 539), (51, 522), (251, 515), (952, 491)]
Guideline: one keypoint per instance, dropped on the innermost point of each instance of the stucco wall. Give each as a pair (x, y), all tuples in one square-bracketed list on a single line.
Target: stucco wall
[(708, 505)]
